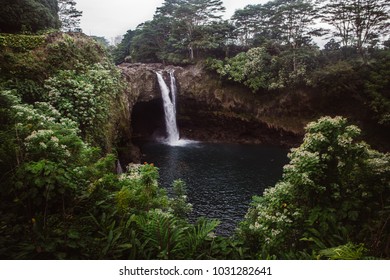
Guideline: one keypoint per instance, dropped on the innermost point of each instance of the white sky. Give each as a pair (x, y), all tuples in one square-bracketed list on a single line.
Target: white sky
[(110, 18)]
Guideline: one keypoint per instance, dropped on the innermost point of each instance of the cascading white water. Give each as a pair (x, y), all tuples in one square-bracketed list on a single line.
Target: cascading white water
[(173, 89), (169, 108), (119, 169)]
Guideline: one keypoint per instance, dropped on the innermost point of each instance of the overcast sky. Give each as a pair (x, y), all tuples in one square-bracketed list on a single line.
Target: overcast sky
[(110, 18)]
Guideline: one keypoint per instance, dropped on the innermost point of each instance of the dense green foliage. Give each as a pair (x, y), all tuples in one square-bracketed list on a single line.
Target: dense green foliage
[(61, 100), (282, 54), (21, 42), (27, 61), (378, 89), (85, 96), (268, 67), (183, 31), (28, 15), (180, 32), (334, 191), (271, 47), (123, 49), (61, 197), (48, 167)]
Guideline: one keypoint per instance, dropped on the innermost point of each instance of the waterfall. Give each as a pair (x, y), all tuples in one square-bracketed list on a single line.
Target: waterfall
[(169, 101), (173, 89), (119, 169)]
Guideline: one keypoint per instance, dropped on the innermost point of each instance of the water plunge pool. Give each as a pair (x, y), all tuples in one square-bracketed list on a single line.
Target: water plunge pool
[(221, 178)]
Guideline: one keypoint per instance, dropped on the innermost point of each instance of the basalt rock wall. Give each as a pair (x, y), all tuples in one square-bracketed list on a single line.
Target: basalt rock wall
[(209, 109)]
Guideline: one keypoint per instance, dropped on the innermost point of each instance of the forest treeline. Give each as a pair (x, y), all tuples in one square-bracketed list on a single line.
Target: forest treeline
[(273, 47), (32, 16), (182, 31), (61, 99)]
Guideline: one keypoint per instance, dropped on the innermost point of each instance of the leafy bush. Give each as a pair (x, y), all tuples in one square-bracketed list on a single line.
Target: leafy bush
[(140, 191), (250, 68), (267, 67), (21, 42), (338, 77), (178, 204), (348, 251), (49, 177), (378, 89), (334, 191), (73, 52), (85, 97), (30, 60)]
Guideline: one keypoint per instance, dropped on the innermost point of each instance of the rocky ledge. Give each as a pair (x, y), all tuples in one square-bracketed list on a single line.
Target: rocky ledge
[(209, 109)]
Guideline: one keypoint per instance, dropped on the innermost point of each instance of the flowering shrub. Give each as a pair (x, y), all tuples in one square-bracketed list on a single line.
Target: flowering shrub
[(140, 191), (178, 204), (334, 191), (85, 97), (60, 197), (53, 168)]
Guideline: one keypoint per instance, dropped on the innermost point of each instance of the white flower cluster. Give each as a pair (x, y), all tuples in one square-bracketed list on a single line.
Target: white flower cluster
[(161, 213), (325, 122), (45, 141), (272, 214), (29, 115), (43, 133), (84, 97), (133, 172)]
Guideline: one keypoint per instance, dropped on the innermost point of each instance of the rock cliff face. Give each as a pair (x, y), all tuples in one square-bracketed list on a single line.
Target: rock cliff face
[(215, 110), (209, 109)]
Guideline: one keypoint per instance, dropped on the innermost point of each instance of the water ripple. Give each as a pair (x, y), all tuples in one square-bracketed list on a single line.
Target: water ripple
[(221, 178)]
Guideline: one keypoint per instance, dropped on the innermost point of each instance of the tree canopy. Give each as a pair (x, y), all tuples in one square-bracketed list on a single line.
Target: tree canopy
[(183, 31), (28, 15), (357, 23), (69, 15)]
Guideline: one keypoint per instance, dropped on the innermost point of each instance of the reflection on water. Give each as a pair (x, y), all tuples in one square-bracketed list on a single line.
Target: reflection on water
[(221, 178)]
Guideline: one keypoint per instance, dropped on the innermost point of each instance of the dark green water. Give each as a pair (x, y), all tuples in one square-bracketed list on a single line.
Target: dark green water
[(221, 178)]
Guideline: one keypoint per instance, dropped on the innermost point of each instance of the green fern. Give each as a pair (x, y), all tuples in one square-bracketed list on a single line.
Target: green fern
[(162, 236), (348, 251), (199, 236)]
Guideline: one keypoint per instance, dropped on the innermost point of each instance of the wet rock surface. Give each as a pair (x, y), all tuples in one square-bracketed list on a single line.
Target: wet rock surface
[(207, 110)]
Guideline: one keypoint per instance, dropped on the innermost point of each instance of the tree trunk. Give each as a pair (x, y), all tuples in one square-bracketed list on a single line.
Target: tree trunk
[(191, 52)]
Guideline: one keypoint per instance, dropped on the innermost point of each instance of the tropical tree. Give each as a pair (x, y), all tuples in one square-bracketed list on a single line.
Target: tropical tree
[(180, 30), (191, 20), (288, 22), (358, 23), (294, 21), (122, 50), (247, 22), (69, 16), (150, 41), (28, 15)]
